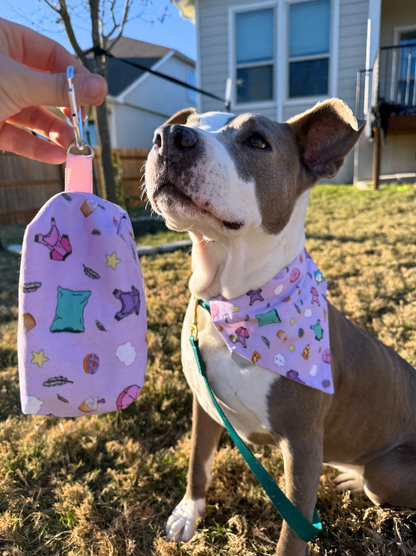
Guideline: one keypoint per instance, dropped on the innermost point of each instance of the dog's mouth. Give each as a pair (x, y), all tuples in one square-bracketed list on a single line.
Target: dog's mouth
[(183, 201)]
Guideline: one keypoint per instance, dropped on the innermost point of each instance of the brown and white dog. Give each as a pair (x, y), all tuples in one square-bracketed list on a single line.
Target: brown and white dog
[(240, 186)]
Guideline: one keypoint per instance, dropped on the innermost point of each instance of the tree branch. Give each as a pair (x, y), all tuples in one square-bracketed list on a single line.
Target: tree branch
[(123, 23), (53, 7), (66, 19)]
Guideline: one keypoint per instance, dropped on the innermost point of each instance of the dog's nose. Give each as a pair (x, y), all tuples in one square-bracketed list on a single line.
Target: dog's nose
[(174, 138)]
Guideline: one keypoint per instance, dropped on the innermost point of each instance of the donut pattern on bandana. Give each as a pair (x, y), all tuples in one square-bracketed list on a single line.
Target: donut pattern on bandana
[(282, 326), (82, 334)]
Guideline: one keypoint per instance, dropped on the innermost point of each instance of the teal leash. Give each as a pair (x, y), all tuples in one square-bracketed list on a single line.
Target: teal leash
[(296, 521)]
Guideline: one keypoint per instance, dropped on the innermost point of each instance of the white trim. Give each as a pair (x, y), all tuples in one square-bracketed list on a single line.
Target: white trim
[(255, 64), (334, 60), (114, 137), (198, 58), (232, 65), (280, 63), (121, 97), (333, 56), (248, 106), (111, 107), (299, 101), (374, 14)]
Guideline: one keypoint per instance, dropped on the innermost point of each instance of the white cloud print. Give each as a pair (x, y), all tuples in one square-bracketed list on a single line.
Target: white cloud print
[(279, 289), (126, 353), (32, 405), (280, 360)]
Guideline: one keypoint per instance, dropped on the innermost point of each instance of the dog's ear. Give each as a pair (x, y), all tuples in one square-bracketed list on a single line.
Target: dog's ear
[(325, 135), (181, 116)]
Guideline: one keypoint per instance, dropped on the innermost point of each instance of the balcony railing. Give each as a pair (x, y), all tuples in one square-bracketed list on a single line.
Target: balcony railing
[(397, 76), (392, 80)]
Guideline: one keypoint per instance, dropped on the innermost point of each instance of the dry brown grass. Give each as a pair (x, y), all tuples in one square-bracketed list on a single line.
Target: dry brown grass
[(101, 486)]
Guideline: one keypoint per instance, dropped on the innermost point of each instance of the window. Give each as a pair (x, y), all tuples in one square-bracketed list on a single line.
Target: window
[(191, 81), (255, 55), (309, 47), (406, 93)]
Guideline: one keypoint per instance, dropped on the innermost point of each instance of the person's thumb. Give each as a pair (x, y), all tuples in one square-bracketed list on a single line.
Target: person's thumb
[(50, 89)]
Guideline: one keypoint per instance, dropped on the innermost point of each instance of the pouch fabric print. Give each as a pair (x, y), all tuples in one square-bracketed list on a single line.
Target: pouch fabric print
[(82, 314)]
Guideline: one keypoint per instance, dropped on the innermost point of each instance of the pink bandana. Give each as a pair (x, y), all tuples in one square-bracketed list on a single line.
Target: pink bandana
[(282, 326)]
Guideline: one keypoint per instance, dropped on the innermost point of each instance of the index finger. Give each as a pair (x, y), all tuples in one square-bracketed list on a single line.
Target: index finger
[(37, 51)]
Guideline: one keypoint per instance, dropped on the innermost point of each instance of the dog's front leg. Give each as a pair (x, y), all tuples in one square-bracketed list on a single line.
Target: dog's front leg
[(303, 468), (206, 433)]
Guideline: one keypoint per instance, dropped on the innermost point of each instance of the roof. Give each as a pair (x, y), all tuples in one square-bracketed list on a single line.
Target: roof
[(121, 75)]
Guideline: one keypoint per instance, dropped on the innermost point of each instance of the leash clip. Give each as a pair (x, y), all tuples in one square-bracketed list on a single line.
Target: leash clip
[(76, 114), (194, 323)]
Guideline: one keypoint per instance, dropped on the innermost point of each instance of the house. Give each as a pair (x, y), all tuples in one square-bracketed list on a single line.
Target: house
[(139, 102), (286, 55)]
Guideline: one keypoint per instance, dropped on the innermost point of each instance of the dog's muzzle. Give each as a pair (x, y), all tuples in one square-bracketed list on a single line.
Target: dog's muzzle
[(173, 140)]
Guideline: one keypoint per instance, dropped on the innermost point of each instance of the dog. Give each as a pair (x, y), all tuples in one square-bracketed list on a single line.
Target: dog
[(240, 186)]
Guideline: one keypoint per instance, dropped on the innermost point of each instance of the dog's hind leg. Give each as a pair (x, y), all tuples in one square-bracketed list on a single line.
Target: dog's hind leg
[(390, 479), (206, 433)]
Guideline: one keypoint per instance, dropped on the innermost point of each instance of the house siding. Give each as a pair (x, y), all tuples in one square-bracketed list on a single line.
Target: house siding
[(214, 53), (150, 104), (135, 127), (214, 60)]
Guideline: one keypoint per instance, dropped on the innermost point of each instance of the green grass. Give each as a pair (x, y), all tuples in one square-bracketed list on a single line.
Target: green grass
[(105, 485)]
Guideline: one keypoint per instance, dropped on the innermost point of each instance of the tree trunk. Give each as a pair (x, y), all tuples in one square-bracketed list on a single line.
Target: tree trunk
[(108, 182), (101, 66)]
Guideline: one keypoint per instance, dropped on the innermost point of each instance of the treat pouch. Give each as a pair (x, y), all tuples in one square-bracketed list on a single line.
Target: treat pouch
[(82, 315)]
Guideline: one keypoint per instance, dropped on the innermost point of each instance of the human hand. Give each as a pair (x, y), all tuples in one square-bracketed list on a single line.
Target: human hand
[(33, 74)]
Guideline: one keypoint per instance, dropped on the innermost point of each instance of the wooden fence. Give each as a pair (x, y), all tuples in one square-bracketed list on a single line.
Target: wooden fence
[(26, 185)]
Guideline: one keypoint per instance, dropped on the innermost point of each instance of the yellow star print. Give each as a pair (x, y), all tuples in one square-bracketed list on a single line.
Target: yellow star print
[(112, 260), (291, 347), (236, 309), (292, 321), (38, 358)]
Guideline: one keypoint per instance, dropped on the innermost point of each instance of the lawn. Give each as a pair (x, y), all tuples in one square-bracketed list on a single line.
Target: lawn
[(105, 485)]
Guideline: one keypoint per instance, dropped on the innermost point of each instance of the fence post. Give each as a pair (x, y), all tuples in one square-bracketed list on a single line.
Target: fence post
[(376, 157)]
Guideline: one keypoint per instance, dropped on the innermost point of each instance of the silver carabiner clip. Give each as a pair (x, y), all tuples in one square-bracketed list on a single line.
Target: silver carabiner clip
[(75, 117), (76, 114)]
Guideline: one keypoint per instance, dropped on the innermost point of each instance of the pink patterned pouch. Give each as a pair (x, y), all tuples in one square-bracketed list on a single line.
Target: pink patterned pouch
[(82, 316)]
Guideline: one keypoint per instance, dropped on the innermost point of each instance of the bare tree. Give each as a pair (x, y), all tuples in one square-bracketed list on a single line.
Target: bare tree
[(108, 21)]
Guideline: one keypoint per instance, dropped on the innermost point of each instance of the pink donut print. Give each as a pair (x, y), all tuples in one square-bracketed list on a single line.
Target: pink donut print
[(214, 310), (127, 396), (326, 356), (294, 275)]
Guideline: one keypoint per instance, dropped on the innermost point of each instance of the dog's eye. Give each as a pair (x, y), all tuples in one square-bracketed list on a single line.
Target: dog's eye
[(257, 141)]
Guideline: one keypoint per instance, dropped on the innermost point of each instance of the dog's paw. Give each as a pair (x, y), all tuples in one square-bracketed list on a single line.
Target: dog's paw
[(181, 525), (348, 480)]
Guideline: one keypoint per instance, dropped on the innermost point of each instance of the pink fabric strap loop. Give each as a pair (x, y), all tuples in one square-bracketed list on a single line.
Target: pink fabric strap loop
[(78, 173)]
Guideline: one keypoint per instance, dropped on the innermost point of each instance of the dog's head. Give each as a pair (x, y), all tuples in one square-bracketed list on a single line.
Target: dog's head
[(219, 174)]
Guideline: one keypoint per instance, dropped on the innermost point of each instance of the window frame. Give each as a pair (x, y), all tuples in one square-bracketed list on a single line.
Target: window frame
[(332, 56), (232, 62)]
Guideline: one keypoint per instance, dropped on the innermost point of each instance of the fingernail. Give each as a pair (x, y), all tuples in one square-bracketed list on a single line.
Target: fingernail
[(94, 87)]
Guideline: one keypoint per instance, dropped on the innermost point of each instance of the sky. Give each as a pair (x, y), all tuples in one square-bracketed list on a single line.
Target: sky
[(175, 31)]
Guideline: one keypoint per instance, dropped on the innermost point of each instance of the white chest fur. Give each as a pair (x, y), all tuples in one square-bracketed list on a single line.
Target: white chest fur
[(241, 389)]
